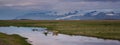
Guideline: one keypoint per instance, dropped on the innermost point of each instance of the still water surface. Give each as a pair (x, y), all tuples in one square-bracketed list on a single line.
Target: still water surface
[(40, 36)]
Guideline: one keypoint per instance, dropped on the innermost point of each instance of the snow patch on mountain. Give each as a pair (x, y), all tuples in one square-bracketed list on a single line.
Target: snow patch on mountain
[(66, 17)]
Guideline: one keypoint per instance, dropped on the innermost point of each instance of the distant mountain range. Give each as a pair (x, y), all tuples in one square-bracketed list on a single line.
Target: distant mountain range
[(71, 15)]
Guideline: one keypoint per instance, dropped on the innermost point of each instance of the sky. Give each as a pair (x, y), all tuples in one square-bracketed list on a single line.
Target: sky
[(9, 9)]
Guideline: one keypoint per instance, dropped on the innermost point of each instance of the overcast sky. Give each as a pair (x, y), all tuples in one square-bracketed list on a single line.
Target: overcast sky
[(60, 4), (13, 7)]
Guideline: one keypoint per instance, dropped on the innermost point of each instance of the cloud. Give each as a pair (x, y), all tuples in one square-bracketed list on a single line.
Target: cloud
[(60, 4), (28, 4), (90, 0), (10, 7)]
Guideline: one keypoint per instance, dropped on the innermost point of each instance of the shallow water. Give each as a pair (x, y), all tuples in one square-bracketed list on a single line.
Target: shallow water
[(37, 36)]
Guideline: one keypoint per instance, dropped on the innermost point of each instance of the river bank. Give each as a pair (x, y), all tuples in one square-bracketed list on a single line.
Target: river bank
[(12, 40)]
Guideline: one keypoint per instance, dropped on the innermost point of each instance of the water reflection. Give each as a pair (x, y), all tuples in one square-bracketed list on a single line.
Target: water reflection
[(37, 30), (45, 32), (34, 29), (40, 36)]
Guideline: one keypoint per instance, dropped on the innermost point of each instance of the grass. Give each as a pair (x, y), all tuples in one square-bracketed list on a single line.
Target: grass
[(108, 29), (12, 40)]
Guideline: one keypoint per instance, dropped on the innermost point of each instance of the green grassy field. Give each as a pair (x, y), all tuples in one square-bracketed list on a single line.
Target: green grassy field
[(108, 29)]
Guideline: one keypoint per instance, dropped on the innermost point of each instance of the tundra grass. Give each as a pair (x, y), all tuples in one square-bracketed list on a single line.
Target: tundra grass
[(12, 40), (108, 29)]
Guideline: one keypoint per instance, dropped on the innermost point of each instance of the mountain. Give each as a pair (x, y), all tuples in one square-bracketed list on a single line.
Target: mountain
[(71, 15), (47, 15), (44, 15), (107, 15)]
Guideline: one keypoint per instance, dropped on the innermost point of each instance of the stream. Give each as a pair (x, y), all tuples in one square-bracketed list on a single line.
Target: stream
[(40, 36)]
